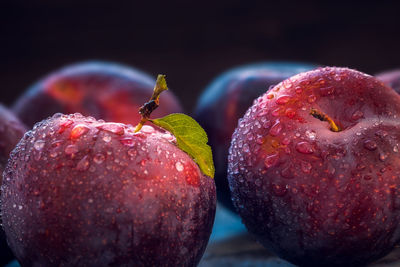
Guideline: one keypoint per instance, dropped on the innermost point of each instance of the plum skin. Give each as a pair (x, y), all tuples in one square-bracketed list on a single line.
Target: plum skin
[(104, 90), (225, 100), (83, 192), (11, 131), (390, 78), (313, 196)]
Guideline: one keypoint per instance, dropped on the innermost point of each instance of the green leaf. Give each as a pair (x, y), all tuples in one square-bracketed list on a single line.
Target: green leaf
[(191, 138)]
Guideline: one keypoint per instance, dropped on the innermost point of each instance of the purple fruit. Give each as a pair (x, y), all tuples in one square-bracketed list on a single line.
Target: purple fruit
[(11, 131), (107, 91), (82, 192), (390, 78), (226, 99)]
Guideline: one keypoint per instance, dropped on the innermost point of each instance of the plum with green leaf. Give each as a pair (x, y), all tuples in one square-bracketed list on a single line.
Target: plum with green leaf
[(80, 191), (314, 168), (226, 99)]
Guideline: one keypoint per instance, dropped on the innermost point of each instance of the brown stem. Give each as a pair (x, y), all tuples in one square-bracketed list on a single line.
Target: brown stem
[(149, 107), (323, 117)]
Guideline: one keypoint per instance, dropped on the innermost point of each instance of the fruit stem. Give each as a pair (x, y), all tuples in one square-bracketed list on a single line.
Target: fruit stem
[(149, 107), (323, 117)]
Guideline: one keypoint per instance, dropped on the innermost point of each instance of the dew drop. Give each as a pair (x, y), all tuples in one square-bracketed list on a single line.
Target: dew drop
[(99, 158), (383, 156), (71, 149), (64, 126), (290, 113), (357, 115), (83, 164), (78, 131), (276, 129), (311, 98), (283, 99), (311, 134), (106, 138), (128, 141), (304, 148), (270, 160), (38, 145), (132, 152), (370, 145), (115, 128), (395, 149), (147, 129), (306, 167), (179, 166)]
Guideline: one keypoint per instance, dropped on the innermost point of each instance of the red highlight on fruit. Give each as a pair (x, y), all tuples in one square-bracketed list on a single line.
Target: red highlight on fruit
[(321, 188), (103, 90), (81, 191)]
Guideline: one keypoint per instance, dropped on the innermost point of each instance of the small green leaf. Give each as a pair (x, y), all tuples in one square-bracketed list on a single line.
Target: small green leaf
[(191, 138)]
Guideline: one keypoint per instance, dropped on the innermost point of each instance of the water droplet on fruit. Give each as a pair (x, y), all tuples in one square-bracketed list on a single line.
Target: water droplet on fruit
[(179, 166), (383, 156), (64, 126), (290, 113), (276, 112), (370, 145), (270, 160), (326, 91), (106, 138), (246, 148), (83, 164), (311, 134), (283, 99), (112, 127), (298, 90), (396, 149), (147, 129), (99, 158), (71, 149), (276, 129), (78, 131), (311, 98), (39, 144), (90, 200), (304, 148), (306, 167), (128, 141), (357, 115), (279, 190)]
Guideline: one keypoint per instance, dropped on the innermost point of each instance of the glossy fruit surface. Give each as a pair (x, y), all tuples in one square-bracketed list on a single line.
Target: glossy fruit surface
[(82, 192), (314, 196), (103, 90), (390, 78), (226, 100)]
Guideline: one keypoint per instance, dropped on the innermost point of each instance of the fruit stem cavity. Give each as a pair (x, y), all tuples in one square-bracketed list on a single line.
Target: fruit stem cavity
[(323, 117), (149, 107)]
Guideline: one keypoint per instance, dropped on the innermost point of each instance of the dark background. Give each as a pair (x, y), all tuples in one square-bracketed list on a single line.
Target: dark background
[(190, 41)]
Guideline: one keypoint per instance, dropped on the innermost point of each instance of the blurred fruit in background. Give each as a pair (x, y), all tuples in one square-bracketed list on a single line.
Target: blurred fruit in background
[(226, 99), (104, 90), (11, 131), (390, 78)]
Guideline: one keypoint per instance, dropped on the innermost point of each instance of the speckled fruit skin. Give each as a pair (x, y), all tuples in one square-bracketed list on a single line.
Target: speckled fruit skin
[(11, 131), (390, 78), (104, 90), (226, 99), (313, 196), (81, 192)]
